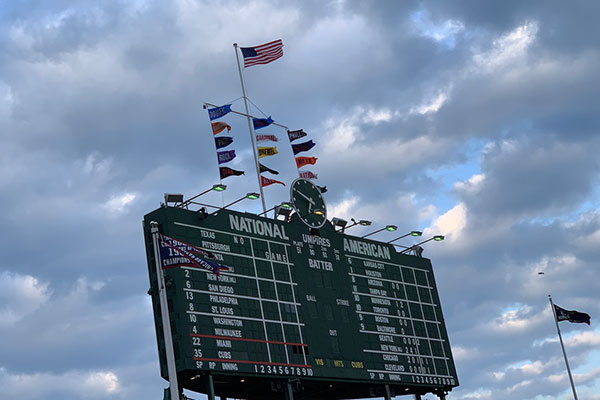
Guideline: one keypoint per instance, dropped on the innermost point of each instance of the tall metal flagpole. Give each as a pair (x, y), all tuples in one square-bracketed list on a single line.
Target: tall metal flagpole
[(164, 311), (563, 347), (254, 150)]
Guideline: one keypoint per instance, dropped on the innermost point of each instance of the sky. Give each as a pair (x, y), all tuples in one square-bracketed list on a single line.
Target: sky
[(476, 120)]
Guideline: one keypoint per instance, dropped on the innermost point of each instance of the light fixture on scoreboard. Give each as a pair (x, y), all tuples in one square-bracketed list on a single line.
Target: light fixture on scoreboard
[(436, 238), (389, 228), (362, 222), (338, 222), (411, 233), (285, 205), (251, 196), (219, 187), (173, 198)]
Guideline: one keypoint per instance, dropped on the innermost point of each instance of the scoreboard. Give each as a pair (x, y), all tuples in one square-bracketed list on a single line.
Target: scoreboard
[(335, 315)]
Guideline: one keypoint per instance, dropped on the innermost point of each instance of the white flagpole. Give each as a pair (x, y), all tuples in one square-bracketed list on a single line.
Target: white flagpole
[(563, 347), (164, 311), (250, 130)]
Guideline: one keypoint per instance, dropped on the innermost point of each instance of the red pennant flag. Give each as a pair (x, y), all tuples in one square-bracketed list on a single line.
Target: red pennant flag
[(218, 127), (266, 181), (302, 161), (308, 175), (262, 138)]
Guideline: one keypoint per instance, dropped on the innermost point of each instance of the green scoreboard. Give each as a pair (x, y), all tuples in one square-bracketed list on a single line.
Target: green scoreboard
[(336, 315)]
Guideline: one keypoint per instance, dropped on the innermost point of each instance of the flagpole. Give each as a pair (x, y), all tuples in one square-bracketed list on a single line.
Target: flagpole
[(563, 347), (254, 150), (164, 311)]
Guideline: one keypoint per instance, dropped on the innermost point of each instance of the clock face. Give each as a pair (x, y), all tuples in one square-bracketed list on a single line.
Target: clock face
[(307, 199)]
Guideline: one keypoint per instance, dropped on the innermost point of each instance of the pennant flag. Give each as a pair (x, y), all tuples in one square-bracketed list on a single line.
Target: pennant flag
[(225, 156), (323, 189), (308, 175), (218, 112), (302, 161), (263, 54), (263, 138), (266, 151), (261, 122), (304, 146), (218, 127), (571, 315), (175, 253), (293, 135), (267, 169), (223, 141), (266, 181), (226, 171)]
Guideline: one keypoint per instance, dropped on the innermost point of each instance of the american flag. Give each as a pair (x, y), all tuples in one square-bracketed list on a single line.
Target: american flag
[(263, 54)]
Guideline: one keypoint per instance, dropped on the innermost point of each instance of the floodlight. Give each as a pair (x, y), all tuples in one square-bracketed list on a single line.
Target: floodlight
[(173, 198), (362, 222), (437, 238), (251, 196), (286, 205), (339, 222), (219, 187), (411, 233), (281, 210), (390, 228)]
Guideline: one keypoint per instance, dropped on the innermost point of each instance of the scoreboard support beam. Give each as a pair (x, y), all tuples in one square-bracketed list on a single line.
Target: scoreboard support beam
[(211, 388), (164, 311), (388, 394), (417, 397), (289, 391)]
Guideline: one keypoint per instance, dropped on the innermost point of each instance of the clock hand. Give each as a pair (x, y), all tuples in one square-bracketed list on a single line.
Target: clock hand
[(307, 198)]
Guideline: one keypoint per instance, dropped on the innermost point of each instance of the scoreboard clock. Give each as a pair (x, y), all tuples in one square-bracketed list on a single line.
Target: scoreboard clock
[(308, 203), (329, 315)]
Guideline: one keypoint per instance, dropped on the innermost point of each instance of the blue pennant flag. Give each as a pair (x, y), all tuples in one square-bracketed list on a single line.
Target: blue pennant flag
[(175, 253), (304, 146), (261, 122), (218, 112), (225, 156)]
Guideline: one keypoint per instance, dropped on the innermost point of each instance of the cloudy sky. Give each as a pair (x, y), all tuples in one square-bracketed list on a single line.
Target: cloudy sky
[(476, 120)]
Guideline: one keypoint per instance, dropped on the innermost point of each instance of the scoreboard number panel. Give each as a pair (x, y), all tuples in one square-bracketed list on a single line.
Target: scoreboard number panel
[(336, 315)]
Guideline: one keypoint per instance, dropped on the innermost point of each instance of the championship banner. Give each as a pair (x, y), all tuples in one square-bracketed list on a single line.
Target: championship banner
[(267, 169), (175, 253), (293, 135), (266, 181), (225, 156), (218, 127), (308, 175), (218, 112), (261, 122), (266, 151), (571, 315), (264, 138), (302, 161), (223, 141), (304, 146), (224, 172)]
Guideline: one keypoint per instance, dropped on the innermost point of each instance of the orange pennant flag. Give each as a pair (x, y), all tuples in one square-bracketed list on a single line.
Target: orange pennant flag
[(302, 161), (218, 127)]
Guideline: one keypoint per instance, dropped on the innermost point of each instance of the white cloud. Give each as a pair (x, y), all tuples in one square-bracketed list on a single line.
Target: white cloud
[(508, 49), (118, 204), (450, 224), (20, 295), (432, 106), (76, 384)]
